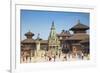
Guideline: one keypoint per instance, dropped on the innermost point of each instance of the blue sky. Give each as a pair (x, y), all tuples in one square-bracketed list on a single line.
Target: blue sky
[(40, 21)]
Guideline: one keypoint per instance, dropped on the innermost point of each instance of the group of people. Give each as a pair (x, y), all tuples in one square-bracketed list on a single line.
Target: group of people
[(67, 56), (55, 57)]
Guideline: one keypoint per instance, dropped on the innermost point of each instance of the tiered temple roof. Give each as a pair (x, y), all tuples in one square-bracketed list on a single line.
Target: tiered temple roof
[(79, 26), (79, 32), (29, 38), (79, 36)]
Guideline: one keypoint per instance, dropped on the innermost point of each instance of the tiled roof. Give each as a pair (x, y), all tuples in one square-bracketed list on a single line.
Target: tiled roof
[(28, 41), (64, 33), (79, 26), (85, 41), (29, 34), (79, 36)]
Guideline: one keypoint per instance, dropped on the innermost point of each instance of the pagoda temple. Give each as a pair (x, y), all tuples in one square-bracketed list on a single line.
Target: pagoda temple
[(28, 45), (78, 37)]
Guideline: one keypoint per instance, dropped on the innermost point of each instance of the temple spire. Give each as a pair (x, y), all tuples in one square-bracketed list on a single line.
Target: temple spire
[(53, 41), (53, 31), (52, 27)]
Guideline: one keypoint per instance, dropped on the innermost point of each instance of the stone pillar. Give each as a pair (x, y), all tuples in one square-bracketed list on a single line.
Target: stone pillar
[(37, 47)]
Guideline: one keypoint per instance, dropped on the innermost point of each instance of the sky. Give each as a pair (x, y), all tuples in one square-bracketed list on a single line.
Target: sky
[(39, 22)]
